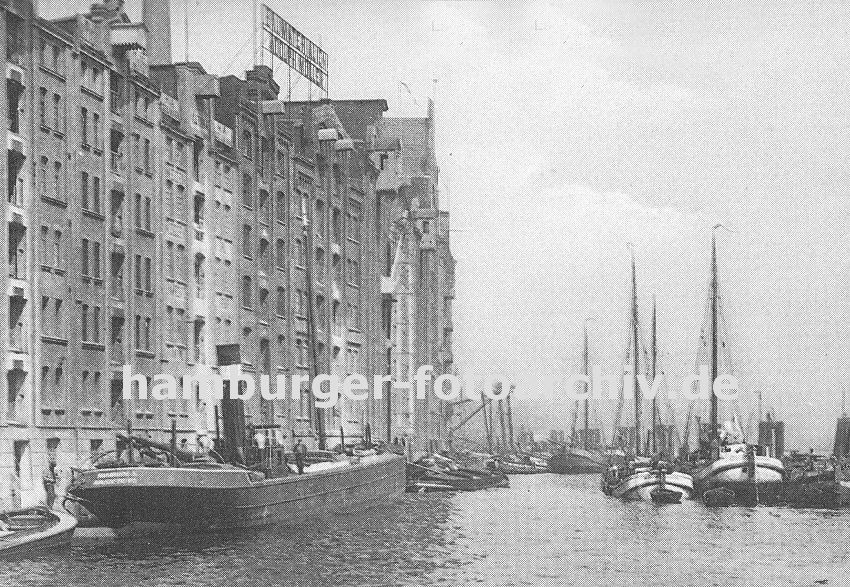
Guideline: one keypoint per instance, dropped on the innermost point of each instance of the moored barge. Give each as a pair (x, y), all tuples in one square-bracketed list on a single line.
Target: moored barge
[(213, 496)]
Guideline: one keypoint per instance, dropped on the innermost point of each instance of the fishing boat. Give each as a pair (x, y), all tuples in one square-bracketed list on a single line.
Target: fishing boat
[(730, 462), (572, 460), (516, 464), (582, 455), (428, 475), (637, 480), (818, 481), (34, 529), (752, 475), (641, 477)]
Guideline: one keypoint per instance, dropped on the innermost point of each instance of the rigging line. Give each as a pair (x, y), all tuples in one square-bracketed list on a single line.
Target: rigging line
[(235, 57), (618, 415)]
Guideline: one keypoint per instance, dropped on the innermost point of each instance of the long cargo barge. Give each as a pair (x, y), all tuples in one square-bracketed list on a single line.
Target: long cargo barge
[(211, 496)]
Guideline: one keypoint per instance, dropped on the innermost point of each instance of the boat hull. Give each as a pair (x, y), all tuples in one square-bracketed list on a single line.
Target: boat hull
[(512, 468), (577, 461), (818, 494), (759, 479), (54, 533), (215, 499), (462, 479), (640, 485)]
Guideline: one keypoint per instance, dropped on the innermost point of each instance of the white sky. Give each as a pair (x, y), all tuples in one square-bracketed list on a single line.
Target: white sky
[(565, 130)]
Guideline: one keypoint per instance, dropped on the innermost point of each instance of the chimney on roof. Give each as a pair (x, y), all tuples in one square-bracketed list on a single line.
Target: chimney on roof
[(156, 16), (107, 10)]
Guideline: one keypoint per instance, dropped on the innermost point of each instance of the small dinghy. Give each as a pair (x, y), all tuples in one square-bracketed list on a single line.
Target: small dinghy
[(34, 529)]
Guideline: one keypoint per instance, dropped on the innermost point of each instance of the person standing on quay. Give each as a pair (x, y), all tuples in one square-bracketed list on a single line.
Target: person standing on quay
[(300, 450), (48, 479)]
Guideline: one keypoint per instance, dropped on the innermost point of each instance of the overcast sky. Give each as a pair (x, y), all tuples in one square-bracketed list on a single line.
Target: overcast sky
[(566, 130)]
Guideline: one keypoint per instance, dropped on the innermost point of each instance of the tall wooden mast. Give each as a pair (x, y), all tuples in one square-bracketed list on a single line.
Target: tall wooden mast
[(635, 350), (713, 436), (512, 443), (653, 373), (587, 399)]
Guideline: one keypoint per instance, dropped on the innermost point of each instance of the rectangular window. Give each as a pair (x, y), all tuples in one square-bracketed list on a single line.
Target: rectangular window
[(57, 181), (138, 281), (84, 127), (57, 250), (169, 199), (84, 322), (169, 251), (147, 155), (96, 259), (281, 302), (148, 283), (85, 257), (354, 220), (181, 326), (247, 144), (42, 106), (45, 315), (246, 241), (58, 319), (280, 204), (180, 201), (147, 212), (301, 252), (43, 249), (247, 296), (181, 263), (95, 194), (247, 196), (42, 177), (280, 254), (169, 325), (96, 324), (137, 156), (97, 131), (57, 113), (84, 190)]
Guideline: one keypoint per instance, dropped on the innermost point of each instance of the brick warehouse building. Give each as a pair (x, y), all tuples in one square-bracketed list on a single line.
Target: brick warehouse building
[(155, 212)]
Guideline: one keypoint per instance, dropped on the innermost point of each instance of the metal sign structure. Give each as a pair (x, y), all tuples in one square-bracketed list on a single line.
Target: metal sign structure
[(301, 54)]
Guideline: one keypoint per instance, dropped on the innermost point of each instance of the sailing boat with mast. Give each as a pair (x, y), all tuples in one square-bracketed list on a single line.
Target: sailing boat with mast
[(583, 455), (642, 478), (727, 464)]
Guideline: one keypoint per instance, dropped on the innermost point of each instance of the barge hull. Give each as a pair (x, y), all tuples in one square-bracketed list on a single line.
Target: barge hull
[(220, 499), (576, 461)]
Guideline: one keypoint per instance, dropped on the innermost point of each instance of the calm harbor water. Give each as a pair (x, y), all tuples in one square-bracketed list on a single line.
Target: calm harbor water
[(544, 530)]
